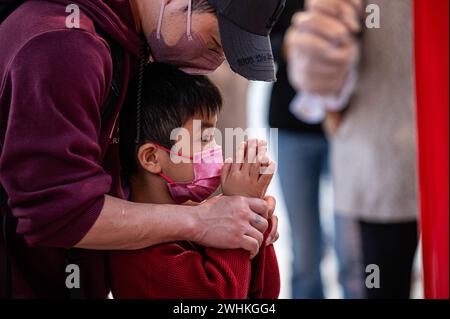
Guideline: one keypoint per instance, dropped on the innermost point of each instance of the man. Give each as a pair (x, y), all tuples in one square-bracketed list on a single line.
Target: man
[(59, 164), (374, 139)]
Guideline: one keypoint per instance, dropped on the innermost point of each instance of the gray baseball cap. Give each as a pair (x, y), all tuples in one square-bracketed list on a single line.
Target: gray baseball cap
[(245, 26)]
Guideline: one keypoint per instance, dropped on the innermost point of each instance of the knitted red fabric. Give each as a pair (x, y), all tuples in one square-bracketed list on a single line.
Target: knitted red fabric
[(187, 271)]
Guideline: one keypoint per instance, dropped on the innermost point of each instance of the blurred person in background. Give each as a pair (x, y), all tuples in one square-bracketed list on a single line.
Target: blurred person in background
[(303, 159), (373, 149)]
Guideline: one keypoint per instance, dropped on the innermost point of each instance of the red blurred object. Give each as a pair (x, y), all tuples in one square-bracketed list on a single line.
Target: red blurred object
[(432, 83)]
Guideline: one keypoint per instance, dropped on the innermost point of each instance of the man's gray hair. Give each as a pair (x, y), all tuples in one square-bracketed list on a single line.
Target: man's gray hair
[(202, 6)]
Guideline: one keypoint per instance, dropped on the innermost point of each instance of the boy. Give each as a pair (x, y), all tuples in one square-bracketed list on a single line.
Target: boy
[(157, 172)]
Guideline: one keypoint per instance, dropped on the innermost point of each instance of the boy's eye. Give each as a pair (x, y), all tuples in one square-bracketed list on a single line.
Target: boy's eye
[(207, 138)]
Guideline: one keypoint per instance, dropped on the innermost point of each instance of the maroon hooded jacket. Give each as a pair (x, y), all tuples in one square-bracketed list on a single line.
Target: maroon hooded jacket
[(55, 164)]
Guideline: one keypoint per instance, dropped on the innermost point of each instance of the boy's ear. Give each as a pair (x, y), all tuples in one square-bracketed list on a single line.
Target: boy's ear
[(148, 158)]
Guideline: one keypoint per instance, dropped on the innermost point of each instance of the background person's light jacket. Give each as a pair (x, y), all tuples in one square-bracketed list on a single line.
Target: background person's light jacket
[(374, 150)]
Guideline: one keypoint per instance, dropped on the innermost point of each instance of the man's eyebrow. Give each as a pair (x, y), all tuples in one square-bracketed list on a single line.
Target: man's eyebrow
[(216, 43)]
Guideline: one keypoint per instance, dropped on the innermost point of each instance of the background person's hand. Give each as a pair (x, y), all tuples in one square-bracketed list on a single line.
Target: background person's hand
[(332, 122), (321, 46), (232, 222), (347, 11)]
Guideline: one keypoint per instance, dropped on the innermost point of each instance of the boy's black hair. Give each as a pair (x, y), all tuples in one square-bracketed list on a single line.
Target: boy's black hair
[(170, 98)]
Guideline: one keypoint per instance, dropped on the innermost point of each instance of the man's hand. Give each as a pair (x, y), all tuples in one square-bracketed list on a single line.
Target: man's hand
[(232, 222), (321, 45), (274, 235)]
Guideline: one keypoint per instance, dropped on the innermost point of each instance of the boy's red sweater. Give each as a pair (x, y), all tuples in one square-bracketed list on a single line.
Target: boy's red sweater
[(187, 271)]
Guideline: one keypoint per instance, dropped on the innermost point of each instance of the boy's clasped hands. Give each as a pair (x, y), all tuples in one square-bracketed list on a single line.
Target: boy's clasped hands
[(250, 173)]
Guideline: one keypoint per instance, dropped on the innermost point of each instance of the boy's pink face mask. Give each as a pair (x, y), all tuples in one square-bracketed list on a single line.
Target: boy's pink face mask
[(207, 167)]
